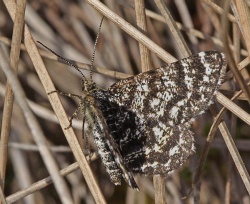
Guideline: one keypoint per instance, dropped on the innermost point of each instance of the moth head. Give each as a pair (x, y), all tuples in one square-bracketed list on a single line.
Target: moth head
[(88, 86)]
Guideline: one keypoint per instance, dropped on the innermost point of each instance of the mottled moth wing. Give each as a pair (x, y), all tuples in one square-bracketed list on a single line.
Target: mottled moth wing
[(174, 93), (149, 114), (106, 146), (140, 151)]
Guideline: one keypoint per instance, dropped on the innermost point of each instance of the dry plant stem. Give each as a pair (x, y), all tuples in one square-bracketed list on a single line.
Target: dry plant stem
[(157, 17), (245, 73), (131, 30), (202, 161), (227, 103), (186, 19), (216, 22), (142, 25), (229, 180), (15, 52), (194, 32), (238, 76), (190, 31), (30, 147), (219, 10), (36, 130), (101, 70), (141, 198), (121, 56), (159, 185), (219, 116), (243, 63), (44, 182), (236, 42), (146, 66), (213, 129), (2, 198), (120, 75), (173, 28), (234, 153), (57, 106), (116, 74), (42, 112), (233, 119), (22, 170), (131, 196), (244, 23), (206, 147), (8, 103), (62, 28)]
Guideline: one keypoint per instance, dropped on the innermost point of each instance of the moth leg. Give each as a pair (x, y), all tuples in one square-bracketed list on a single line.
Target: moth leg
[(77, 109), (66, 94), (82, 105), (72, 117)]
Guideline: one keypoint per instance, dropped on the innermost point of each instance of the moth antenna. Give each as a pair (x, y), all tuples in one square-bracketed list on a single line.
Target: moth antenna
[(93, 55), (64, 59)]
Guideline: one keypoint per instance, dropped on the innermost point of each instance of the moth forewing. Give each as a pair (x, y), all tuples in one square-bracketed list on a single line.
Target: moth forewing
[(106, 146)]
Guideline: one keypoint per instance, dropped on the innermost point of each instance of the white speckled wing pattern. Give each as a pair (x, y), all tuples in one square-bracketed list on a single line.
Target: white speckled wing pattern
[(106, 146), (174, 93), (148, 116)]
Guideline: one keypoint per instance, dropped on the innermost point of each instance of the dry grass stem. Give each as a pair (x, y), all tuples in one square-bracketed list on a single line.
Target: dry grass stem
[(35, 129), (173, 28), (227, 103), (142, 25), (7, 111), (131, 31), (235, 155), (44, 182), (48, 85)]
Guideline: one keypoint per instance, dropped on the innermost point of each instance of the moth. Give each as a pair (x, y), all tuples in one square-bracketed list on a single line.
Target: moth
[(141, 125)]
